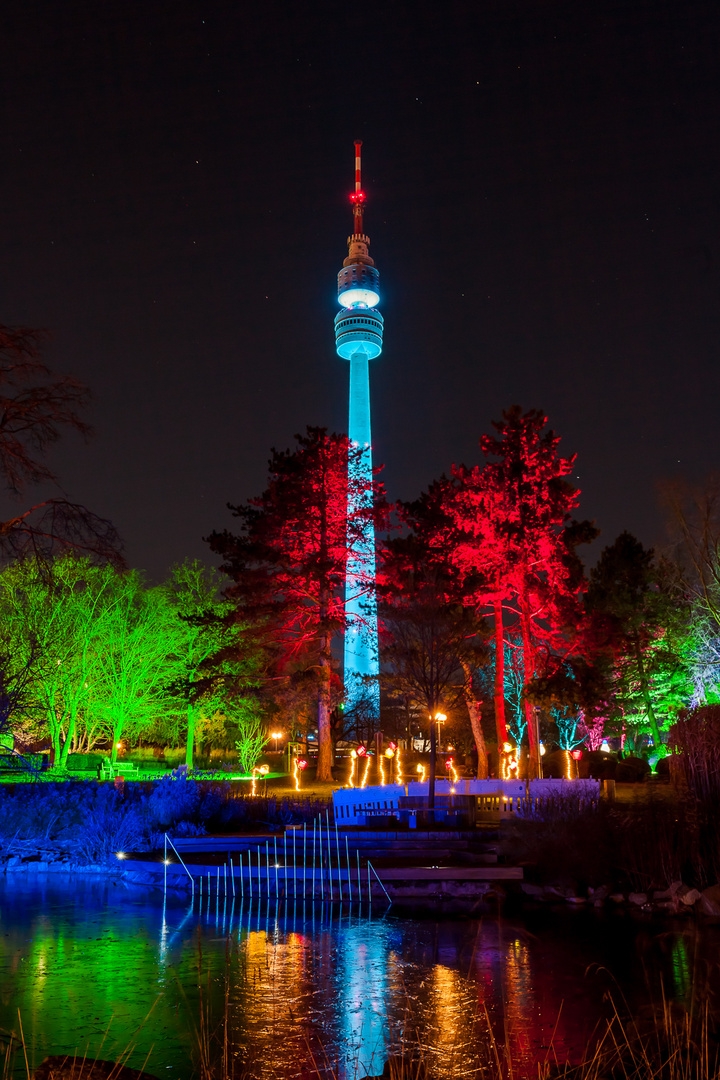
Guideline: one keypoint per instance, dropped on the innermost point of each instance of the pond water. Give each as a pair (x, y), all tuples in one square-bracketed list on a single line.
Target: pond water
[(99, 968)]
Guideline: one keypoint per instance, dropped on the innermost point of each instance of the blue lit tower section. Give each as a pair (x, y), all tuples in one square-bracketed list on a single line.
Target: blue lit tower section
[(358, 338)]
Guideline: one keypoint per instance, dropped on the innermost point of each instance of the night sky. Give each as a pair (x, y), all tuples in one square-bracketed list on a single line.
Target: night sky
[(543, 205)]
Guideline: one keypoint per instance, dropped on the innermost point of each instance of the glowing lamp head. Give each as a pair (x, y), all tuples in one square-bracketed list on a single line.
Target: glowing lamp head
[(507, 747), (302, 763), (542, 750), (359, 298), (449, 763), (389, 753), (361, 751), (419, 768), (576, 754), (392, 745), (264, 770), (353, 753), (358, 198)]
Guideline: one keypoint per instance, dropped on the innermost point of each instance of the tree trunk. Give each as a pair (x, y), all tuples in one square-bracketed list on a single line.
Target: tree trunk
[(530, 714), (66, 745), (55, 745), (190, 740), (475, 721), (324, 760), (431, 777), (500, 724), (645, 692), (117, 732)]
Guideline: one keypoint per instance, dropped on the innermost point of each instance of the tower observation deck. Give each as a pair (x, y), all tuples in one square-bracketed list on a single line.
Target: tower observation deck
[(358, 339)]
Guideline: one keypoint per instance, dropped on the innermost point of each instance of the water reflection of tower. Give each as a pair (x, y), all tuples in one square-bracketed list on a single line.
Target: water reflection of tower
[(358, 338)]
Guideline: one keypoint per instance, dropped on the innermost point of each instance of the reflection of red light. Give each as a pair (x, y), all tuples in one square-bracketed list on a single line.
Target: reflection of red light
[(577, 754), (448, 763), (361, 751)]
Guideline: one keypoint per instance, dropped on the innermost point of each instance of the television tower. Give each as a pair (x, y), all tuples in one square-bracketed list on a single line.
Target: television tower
[(358, 338)]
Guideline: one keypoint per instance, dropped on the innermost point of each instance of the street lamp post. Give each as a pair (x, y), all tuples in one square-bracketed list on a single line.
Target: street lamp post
[(435, 722)]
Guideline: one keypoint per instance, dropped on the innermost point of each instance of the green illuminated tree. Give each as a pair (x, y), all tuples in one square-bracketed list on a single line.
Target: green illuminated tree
[(695, 521), (136, 640), (639, 622), (253, 733), (215, 665), (53, 614)]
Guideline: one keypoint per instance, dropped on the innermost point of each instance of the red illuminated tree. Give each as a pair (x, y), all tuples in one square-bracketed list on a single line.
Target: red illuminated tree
[(433, 642), (515, 541), (288, 563)]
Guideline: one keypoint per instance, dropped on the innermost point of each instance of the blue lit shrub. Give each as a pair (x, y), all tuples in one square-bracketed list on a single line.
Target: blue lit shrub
[(174, 798), (90, 822), (112, 823)]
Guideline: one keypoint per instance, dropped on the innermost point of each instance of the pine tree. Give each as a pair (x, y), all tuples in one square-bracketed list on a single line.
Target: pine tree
[(287, 563), (515, 541), (639, 622), (433, 642)]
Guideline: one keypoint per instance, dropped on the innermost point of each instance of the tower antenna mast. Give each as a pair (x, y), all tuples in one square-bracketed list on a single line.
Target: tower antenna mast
[(359, 339), (358, 197)]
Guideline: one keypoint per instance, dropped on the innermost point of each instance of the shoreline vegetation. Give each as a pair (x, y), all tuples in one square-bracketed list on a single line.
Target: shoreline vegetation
[(656, 856), (87, 823)]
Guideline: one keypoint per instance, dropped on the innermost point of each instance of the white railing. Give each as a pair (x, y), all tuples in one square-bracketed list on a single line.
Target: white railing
[(358, 806), (353, 805)]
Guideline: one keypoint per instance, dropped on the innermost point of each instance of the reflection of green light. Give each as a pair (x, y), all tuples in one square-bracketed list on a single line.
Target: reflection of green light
[(681, 967), (71, 982)]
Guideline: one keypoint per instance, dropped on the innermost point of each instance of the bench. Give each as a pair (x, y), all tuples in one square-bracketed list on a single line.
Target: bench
[(109, 770)]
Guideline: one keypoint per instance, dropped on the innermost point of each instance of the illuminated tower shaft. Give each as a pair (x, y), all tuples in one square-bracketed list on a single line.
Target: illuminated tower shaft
[(358, 338)]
